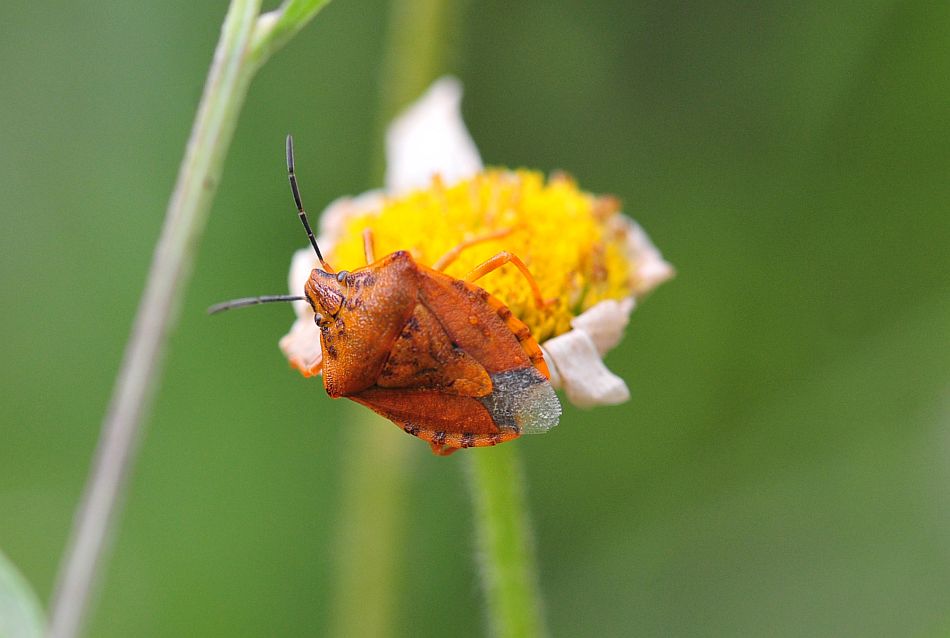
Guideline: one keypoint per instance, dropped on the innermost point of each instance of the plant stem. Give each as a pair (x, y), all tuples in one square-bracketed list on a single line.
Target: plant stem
[(247, 39), (505, 542), (370, 527), (415, 56), (276, 28), (21, 615), (376, 466)]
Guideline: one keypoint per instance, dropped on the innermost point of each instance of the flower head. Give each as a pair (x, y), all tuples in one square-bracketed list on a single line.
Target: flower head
[(590, 260)]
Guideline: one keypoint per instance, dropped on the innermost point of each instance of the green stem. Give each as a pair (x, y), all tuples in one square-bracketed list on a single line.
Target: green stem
[(247, 40), (370, 527), (415, 56), (505, 542), (21, 615), (275, 29), (376, 467)]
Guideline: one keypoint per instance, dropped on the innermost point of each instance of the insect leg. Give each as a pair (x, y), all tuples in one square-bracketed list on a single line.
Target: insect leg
[(446, 259), (500, 260), (443, 450), (369, 246)]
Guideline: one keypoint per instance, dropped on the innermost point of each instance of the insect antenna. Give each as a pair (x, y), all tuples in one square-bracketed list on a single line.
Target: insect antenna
[(251, 301), (300, 211)]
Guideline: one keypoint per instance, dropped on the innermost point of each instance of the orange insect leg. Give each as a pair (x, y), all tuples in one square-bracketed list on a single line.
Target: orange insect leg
[(442, 450), (500, 260), (443, 262), (369, 246)]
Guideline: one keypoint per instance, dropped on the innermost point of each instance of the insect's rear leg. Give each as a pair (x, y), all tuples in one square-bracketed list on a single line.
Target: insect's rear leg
[(443, 450), (500, 260), (443, 262)]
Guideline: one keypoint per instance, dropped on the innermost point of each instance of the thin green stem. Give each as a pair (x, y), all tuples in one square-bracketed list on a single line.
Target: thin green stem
[(371, 527), (376, 469), (276, 28), (21, 615), (374, 482), (505, 543), (416, 54), (247, 39)]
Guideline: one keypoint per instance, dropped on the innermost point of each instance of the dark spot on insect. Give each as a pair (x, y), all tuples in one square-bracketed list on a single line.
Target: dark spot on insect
[(504, 312), (468, 439), (455, 344), (482, 294), (340, 327), (439, 438), (495, 438), (331, 349), (459, 285), (411, 429), (411, 327), (368, 280)]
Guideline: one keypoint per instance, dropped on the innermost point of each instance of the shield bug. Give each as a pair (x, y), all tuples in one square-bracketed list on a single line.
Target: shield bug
[(438, 356)]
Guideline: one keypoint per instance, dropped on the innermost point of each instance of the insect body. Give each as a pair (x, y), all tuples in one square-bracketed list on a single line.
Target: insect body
[(438, 356)]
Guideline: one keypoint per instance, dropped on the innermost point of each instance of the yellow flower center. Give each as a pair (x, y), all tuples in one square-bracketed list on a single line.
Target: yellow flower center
[(566, 237)]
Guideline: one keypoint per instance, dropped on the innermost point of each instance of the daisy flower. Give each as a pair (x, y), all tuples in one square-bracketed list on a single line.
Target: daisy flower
[(591, 260)]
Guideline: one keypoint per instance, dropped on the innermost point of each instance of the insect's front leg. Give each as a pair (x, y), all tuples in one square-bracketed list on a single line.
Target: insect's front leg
[(500, 260), (443, 262), (369, 246)]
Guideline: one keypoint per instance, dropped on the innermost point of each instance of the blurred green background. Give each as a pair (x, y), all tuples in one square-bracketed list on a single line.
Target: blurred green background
[(783, 466)]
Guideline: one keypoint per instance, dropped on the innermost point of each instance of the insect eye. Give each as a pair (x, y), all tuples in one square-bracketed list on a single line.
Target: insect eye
[(317, 318), (340, 276)]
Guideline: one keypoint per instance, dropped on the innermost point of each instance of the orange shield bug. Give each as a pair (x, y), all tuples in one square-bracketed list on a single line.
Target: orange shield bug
[(438, 356)]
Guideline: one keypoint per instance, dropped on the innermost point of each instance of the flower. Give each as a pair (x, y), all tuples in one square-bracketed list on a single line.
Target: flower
[(593, 262)]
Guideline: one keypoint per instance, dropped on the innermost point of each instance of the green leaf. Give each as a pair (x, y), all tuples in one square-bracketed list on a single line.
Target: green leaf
[(20, 613)]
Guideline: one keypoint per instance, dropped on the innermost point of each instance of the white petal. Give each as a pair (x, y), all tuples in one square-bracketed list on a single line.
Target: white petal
[(332, 227), (649, 267), (582, 373), (549, 360), (335, 216), (430, 138), (605, 322), (302, 346), (302, 264)]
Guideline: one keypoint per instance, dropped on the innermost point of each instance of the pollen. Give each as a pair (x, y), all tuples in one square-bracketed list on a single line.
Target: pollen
[(570, 240)]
